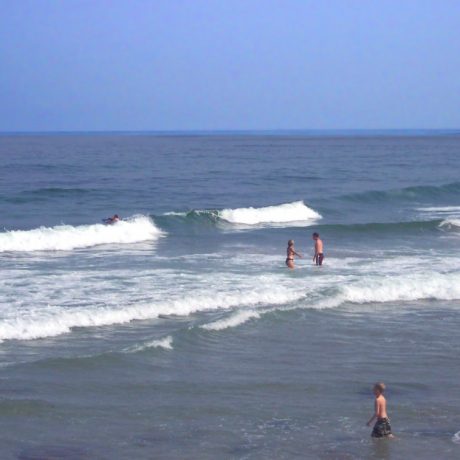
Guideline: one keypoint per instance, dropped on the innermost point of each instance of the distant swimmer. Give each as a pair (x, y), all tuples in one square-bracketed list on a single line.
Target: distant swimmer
[(382, 428), (112, 220), (290, 253), (319, 255)]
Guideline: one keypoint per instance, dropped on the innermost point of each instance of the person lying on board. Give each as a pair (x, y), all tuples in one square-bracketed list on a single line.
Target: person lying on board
[(111, 220)]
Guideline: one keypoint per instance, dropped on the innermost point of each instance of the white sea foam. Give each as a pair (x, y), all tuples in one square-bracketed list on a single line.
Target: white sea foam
[(402, 288), (165, 343), (440, 209), (238, 318), (49, 304), (450, 214), (372, 289), (68, 237), (456, 438), (450, 224), (175, 213), (296, 212), (24, 322)]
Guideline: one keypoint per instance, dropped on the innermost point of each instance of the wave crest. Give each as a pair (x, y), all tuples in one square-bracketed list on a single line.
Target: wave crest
[(296, 212), (450, 224), (68, 237), (236, 319), (402, 288), (165, 343)]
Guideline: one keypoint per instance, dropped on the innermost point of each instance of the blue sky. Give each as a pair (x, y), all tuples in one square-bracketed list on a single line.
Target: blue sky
[(229, 64)]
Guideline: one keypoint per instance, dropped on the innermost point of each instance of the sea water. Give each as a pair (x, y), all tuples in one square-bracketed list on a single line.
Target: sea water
[(179, 332)]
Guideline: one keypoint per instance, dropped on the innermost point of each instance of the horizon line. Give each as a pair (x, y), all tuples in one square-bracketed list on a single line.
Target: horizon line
[(210, 132)]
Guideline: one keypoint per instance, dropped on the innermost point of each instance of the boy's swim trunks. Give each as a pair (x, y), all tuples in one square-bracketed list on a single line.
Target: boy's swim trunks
[(382, 428)]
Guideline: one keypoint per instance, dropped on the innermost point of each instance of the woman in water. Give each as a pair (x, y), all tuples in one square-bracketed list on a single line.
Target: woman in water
[(290, 253)]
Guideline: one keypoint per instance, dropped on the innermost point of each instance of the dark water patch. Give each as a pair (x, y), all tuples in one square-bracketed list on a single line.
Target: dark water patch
[(44, 194), (178, 223), (415, 193), (79, 363), (24, 407), (193, 216), (336, 454), (280, 176), (20, 200), (242, 451), (50, 192), (37, 167), (55, 452), (53, 190)]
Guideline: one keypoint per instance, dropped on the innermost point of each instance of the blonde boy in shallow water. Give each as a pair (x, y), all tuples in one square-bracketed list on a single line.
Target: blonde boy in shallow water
[(382, 427), (290, 253)]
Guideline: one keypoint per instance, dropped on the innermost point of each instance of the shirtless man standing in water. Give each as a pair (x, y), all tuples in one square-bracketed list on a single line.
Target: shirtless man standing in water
[(319, 255)]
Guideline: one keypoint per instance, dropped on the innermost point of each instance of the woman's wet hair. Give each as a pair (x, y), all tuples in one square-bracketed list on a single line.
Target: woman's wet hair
[(290, 242)]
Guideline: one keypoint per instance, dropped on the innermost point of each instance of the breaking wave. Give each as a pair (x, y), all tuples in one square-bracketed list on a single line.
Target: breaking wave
[(456, 438), (165, 343), (236, 319), (245, 299), (283, 215), (68, 237), (450, 224), (53, 320)]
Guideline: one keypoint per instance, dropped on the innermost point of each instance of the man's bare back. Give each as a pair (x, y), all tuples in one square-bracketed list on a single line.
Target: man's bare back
[(318, 246)]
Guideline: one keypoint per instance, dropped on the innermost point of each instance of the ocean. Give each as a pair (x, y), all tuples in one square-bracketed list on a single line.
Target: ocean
[(179, 333)]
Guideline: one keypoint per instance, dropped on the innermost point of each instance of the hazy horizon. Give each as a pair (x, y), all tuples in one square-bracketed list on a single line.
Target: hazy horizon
[(249, 132)]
